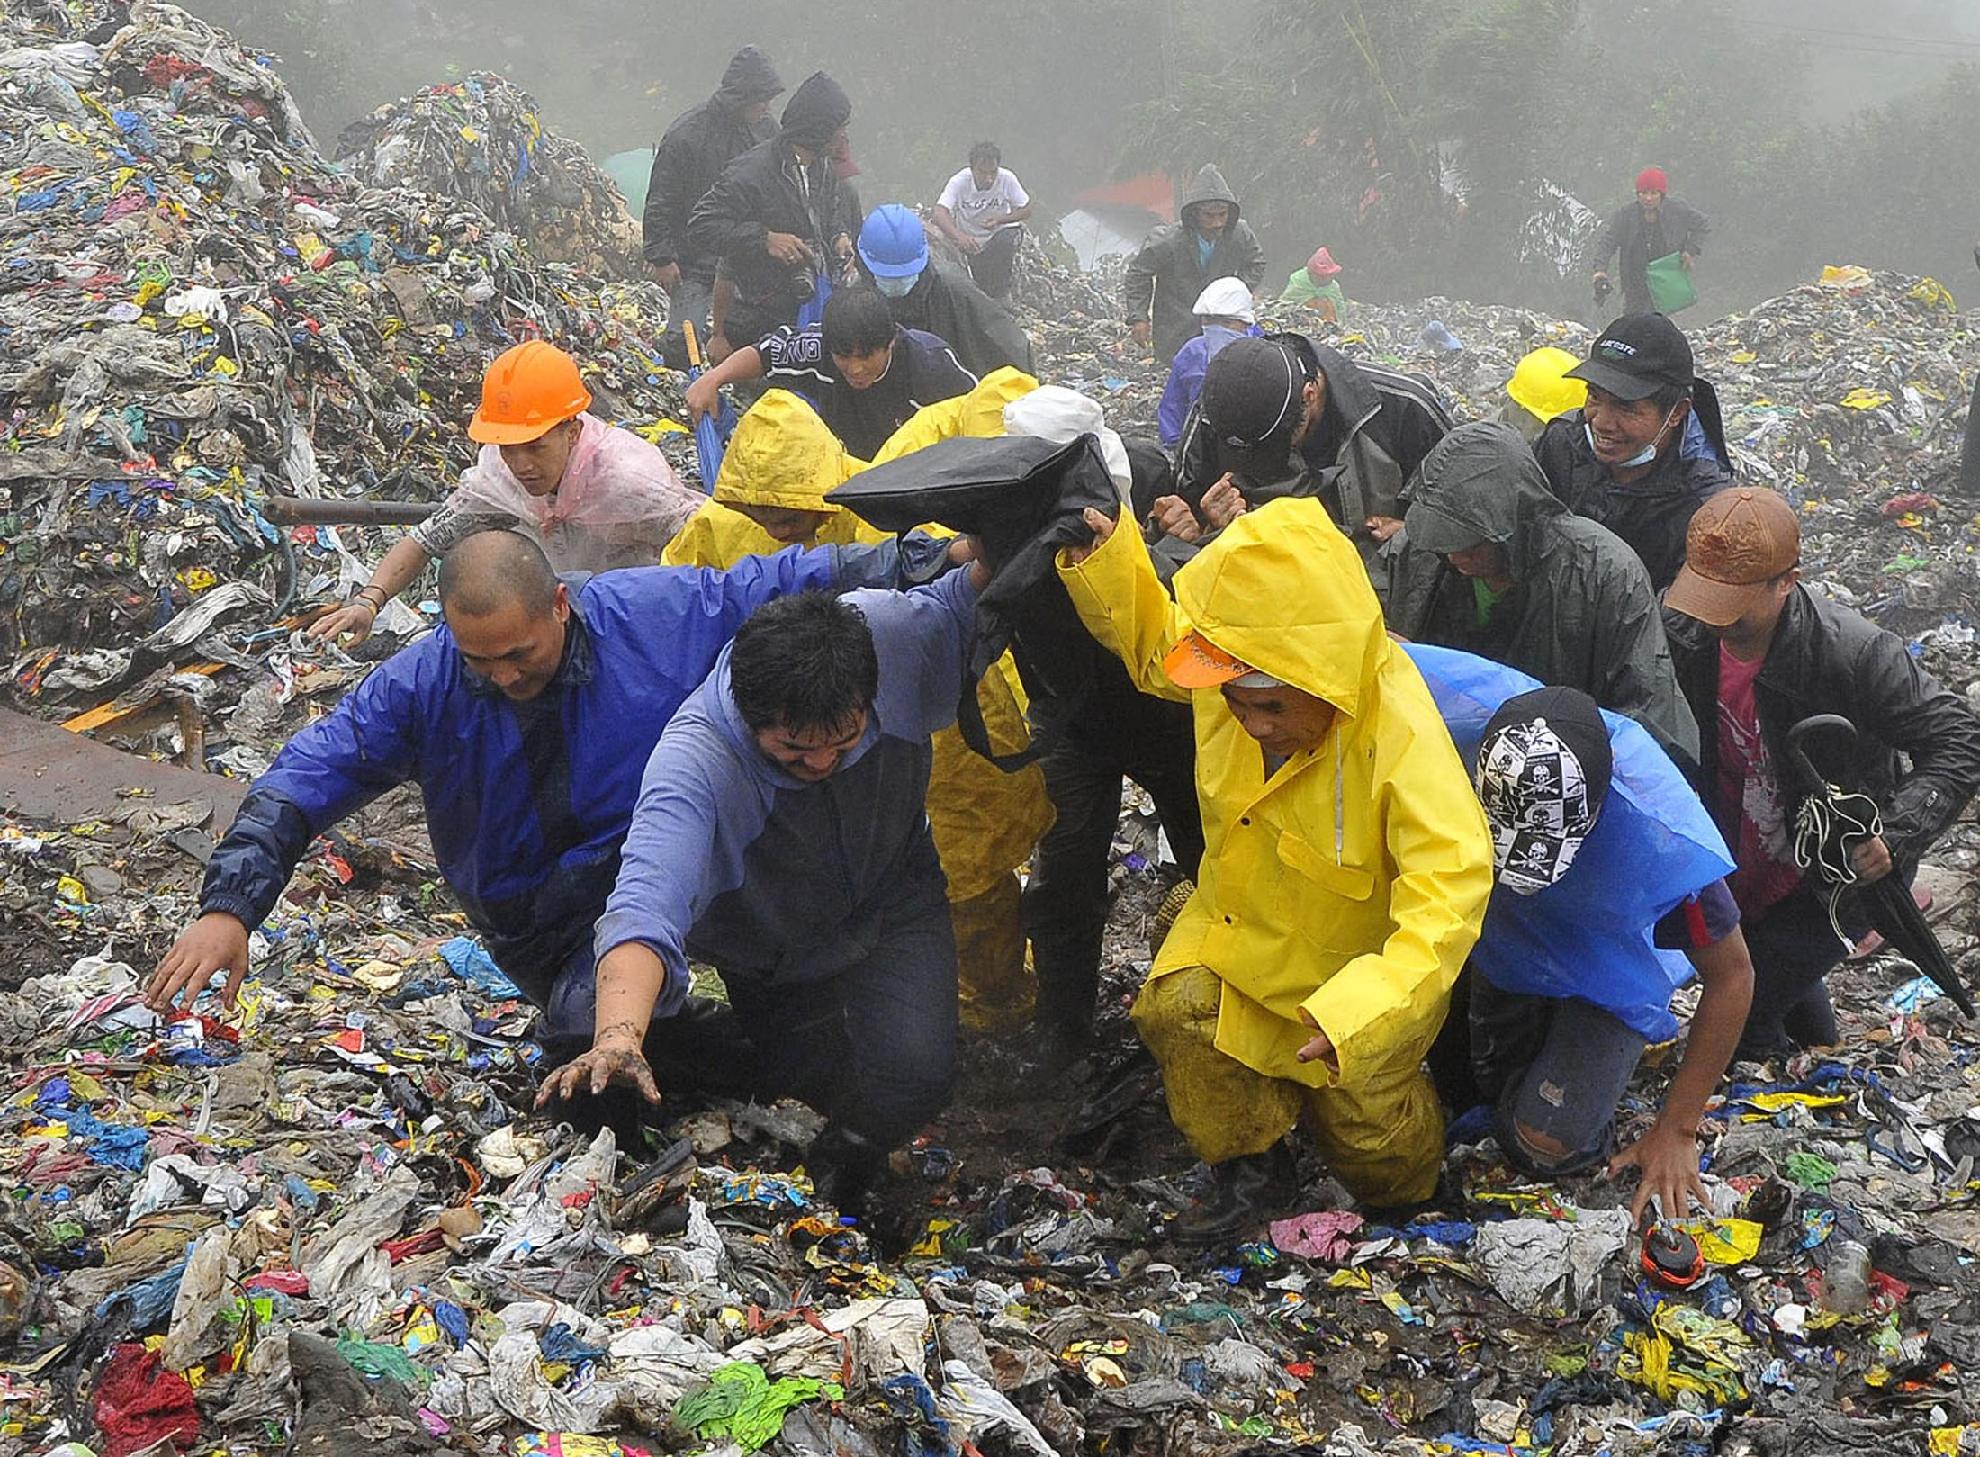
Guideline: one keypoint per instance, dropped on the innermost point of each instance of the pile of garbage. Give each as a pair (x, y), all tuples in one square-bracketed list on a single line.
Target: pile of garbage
[(199, 311), (482, 141), (332, 1210)]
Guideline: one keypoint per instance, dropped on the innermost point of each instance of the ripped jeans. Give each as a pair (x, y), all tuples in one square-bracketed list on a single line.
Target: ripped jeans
[(1555, 1068)]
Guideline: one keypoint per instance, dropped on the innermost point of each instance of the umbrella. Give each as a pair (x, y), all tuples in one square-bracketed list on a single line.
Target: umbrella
[(1830, 824), (711, 431)]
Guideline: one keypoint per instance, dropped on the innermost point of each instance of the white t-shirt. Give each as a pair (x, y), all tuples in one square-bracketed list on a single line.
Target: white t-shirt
[(969, 205)]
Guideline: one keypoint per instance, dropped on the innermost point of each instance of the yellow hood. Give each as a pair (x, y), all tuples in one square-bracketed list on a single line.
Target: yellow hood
[(1282, 589), (979, 413), (783, 455)]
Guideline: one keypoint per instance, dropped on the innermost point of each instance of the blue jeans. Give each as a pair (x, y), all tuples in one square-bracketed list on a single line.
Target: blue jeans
[(1552, 1067)]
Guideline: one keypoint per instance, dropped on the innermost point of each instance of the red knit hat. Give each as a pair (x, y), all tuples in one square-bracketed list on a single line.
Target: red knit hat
[(1652, 179)]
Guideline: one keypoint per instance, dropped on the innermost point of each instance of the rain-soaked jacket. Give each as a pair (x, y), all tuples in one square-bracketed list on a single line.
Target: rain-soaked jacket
[(945, 302), (1591, 935), (980, 412), (1169, 272), (1917, 750), (985, 821), (618, 504), (1352, 883), (1580, 613), (526, 803), (767, 190), (1652, 514), (701, 142)]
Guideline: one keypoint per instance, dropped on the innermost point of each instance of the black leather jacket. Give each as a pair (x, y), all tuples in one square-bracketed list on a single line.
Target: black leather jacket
[(1826, 658)]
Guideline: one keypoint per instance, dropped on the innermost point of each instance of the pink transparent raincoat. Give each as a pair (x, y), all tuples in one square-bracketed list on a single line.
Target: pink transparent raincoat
[(618, 504)]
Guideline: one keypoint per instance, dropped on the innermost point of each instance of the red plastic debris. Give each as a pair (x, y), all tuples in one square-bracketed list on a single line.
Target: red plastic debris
[(139, 1402), (1909, 502), (279, 1282)]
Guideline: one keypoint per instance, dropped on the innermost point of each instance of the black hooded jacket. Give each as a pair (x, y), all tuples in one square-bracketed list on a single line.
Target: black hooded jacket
[(702, 141), (1651, 514), (1580, 612), (945, 303), (1169, 272), (1826, 658), (766, 190)]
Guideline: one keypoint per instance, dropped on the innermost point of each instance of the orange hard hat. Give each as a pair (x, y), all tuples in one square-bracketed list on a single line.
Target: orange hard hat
[(528, 391)]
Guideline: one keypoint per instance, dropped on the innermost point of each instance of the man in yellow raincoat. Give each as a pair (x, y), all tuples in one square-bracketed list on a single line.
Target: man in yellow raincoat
[(1347, 863), (769, 494)]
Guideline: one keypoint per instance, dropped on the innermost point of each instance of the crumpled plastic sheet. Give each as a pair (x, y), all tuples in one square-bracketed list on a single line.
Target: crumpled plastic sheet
[(1324, 1235), (1542, 1265), (977, 1407), (742, 1404)]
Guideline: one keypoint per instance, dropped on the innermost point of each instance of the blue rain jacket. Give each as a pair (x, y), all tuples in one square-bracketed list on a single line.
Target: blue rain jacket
[(1590, 935), (527, 804)]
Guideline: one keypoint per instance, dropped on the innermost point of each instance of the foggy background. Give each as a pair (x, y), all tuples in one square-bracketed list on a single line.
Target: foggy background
[(1414, 137)]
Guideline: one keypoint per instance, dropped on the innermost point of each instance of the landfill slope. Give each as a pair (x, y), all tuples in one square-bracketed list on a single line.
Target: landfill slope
[(200, 310), (330, 1211)]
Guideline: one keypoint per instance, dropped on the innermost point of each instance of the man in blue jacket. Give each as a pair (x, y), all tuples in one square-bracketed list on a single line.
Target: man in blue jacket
[(1609, 895), (781, 836), (524, 721)]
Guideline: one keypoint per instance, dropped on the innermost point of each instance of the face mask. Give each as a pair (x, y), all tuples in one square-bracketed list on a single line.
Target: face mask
[(1643, 456), (897, 287)]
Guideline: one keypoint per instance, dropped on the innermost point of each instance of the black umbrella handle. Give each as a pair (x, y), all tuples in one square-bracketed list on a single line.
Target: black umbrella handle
[(1811, 778)]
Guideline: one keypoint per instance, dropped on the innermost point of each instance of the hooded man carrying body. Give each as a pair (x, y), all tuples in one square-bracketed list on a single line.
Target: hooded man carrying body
[(780, 219), (1493, 563), (691, 157), (1177, 259)]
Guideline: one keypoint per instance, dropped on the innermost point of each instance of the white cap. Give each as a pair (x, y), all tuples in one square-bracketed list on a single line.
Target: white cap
[(1226, 298), (1052, 412)]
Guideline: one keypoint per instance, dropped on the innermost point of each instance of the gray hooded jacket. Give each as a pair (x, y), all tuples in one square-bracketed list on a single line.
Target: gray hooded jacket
[(1580, 613), (1169, 272)]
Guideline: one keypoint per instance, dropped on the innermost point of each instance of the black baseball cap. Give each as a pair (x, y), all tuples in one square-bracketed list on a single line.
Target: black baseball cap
[(1251, 394), (1636, 356)]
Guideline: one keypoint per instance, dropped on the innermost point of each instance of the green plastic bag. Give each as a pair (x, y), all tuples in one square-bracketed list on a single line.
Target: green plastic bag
[(1670, 284)]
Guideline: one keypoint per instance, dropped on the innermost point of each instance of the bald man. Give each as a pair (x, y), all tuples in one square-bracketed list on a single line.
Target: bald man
[(525, 721)]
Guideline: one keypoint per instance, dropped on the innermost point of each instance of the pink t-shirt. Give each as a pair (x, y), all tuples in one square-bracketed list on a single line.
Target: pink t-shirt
[(1764, 851)]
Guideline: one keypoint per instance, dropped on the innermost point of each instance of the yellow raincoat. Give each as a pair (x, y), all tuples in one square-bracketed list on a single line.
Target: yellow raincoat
[(979, 413), (985, 821), (1348, 886)]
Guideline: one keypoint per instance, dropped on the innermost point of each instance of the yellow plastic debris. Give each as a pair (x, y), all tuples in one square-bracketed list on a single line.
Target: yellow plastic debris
[(1771, 1103), (1862, 399), (1934, 295), (1849, 275), (1725, 1241)]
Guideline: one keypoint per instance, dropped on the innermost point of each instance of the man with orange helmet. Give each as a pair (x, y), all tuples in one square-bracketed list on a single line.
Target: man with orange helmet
[(593, 496)]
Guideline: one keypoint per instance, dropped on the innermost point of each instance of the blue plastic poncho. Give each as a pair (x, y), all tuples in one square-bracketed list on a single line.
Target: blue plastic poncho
[(1590, 936)]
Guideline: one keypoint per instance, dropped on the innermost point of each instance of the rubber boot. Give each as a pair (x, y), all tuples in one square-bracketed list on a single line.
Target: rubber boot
[(1245, 1192), (844, 1167)]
